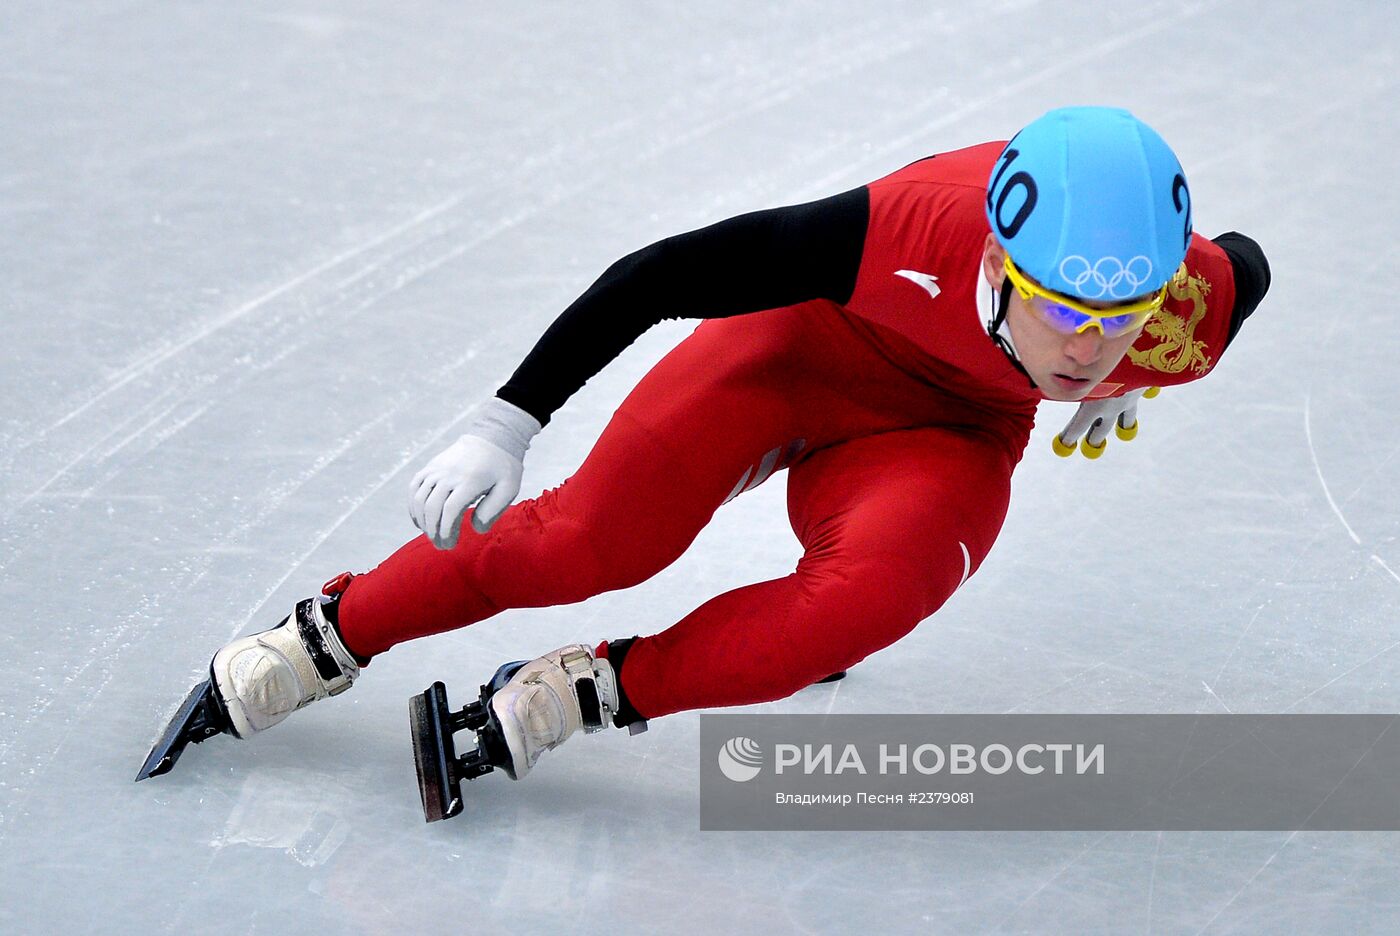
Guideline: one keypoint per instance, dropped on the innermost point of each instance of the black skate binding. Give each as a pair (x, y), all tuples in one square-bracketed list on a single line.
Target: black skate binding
[(440, 770)]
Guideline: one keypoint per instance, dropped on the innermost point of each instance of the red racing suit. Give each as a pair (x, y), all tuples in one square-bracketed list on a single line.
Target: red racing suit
[(897, 418)]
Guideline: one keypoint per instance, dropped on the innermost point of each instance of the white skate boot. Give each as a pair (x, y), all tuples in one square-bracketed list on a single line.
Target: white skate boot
[(548, 699), (525, 710), (263, 678)]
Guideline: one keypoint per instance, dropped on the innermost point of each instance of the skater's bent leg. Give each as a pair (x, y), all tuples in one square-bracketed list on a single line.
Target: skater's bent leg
[(629, 511), (670, 456), (892, 525)]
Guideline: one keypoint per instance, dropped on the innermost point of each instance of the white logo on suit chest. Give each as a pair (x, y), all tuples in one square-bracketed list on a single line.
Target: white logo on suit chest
[(927, 281)]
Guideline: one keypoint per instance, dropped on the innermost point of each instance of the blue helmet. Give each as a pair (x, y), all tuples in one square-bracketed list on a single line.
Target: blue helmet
[(1091, 203)]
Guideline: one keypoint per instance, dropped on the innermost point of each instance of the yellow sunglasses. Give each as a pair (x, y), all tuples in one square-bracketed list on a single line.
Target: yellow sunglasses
[(1071, 317)]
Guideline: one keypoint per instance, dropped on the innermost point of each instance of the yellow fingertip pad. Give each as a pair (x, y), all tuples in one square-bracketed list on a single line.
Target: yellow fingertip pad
[(1061, 448), (1090, 451), (1127, 434), (1151, 392)]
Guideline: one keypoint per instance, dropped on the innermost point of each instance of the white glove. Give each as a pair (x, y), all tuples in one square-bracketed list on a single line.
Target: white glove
[(484, 465), (1096, 416)]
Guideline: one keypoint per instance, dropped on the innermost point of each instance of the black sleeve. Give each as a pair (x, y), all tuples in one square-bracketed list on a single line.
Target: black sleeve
[(762, 260), (1251, 277)]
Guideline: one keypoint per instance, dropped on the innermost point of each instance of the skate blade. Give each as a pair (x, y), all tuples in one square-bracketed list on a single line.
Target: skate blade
[(434, 754), (199, 717)]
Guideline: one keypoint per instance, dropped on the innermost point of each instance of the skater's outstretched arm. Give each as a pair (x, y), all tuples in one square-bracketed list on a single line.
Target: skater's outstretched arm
[(763, 260)]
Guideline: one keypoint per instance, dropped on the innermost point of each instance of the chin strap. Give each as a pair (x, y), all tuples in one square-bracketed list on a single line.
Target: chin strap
[(1001, 336)]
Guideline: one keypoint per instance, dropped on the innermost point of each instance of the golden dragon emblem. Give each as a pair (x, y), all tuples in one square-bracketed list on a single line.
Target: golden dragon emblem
[(1177, 349)]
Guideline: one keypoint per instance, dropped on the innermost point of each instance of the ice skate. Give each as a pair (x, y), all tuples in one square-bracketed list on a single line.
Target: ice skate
[(526, 709), (263, 678), (257, 681)]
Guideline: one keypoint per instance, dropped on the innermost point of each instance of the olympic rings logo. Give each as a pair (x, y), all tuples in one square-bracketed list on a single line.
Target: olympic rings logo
[(1109, 277)]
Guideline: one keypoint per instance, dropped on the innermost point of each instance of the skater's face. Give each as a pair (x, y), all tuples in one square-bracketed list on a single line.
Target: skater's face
[(1064, 366)]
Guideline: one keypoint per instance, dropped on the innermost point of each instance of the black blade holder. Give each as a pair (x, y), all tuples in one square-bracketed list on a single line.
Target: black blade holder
[(440, 769)]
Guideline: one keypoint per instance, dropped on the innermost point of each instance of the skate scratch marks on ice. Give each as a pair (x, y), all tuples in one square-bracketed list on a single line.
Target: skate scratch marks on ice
[(1152, 880), (1312, 450), (355, 505), (1216, 697), (1090, 55), (1327, 492), (1291, 835), (1307, 430), (1298, 555), (1055, 688), (1245, 886), (1006, 921), (1381, 562), (785, 86), (136, 414), (150, 361), (154, 359), (109, 648), (1375, 656), (268, 507)]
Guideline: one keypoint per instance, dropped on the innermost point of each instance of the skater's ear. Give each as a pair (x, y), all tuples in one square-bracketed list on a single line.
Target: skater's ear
[(993, 262)]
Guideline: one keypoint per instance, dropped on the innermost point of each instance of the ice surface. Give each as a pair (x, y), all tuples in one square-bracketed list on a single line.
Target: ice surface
[(261, 257)]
